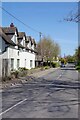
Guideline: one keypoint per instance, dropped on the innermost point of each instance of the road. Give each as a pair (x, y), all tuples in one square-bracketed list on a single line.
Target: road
[(50, 95)]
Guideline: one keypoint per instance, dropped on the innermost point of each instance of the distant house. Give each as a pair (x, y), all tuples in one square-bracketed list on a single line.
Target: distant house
[(16, 50)]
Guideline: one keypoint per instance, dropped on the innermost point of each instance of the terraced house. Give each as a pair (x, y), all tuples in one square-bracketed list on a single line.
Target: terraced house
[(16, 50)]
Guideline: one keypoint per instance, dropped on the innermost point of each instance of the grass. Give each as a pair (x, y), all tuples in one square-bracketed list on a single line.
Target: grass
[(78, 68)]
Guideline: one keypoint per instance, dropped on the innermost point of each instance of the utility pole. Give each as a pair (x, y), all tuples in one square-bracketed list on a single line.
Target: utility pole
[(40, 43), (40, 34)]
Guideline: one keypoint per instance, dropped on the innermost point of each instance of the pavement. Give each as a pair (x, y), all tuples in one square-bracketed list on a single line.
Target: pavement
[(48, 94), (16, 81)]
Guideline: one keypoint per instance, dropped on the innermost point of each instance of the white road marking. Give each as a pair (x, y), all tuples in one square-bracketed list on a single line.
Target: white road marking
[(59, 76), (77, 71), (12, 107), (1, 91)]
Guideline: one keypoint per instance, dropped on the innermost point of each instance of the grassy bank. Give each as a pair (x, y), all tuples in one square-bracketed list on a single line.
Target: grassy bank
[(78, 68)]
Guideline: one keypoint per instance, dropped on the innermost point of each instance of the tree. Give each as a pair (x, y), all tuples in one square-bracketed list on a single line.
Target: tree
[(70, 58), (63, 60), (56, 50), (77, 55), (74, 16), (48, 49)]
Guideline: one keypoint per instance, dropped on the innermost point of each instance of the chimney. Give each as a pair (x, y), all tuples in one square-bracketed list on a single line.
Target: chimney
[(11, 25)]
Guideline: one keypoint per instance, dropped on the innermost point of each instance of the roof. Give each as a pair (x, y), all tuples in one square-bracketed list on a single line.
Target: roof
[(9, 30), (6, 38), (29, 38), (20, 46), (33, 41), (21, 34), (27, 48)]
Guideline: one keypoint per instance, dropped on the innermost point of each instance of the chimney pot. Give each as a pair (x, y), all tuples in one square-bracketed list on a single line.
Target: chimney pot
[(11, 25)]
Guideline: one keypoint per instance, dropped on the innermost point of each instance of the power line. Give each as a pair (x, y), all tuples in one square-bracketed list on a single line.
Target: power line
[(21, 21)]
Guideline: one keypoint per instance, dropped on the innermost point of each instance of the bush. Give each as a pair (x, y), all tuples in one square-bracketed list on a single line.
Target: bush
[(78, 68), (55, 64), (22, 69), (15, 74), (46, 67)]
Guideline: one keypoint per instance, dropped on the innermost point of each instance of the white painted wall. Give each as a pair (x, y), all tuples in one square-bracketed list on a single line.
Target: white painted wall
[(29, 45), (12, 52), (0, 66), (33, 46), (28, 56), (14, 38), (24, 41), (0, 44)]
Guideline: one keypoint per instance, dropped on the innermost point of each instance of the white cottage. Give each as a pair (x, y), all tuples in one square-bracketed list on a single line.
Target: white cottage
[(16, 50)]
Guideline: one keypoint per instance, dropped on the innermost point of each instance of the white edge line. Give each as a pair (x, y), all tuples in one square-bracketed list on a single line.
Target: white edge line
[(12, 107)]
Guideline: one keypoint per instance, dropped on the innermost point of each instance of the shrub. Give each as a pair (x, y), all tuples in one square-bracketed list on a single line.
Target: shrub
[(46, 67), (22, 69), (55, 64), (78, 68), (15, 73)]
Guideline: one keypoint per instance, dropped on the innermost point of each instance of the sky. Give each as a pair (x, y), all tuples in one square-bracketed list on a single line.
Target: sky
[(45, 17)]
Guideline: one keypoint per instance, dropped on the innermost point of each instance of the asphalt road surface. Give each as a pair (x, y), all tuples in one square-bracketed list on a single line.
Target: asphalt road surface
[(50, 95)]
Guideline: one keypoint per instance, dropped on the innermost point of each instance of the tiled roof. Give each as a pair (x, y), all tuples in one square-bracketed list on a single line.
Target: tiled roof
[(34, 50), (20, 46), (27, 48), (9, 30), (5, 37), (29, 38), (21, 34), (33, 41)]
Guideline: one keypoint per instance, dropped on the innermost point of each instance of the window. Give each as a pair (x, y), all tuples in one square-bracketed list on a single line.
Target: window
[(12, 63), (18, 53), (31, 63), (18, 63)]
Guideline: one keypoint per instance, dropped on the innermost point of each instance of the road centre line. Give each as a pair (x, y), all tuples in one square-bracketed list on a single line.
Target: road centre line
[(59, 76), (12, 107)]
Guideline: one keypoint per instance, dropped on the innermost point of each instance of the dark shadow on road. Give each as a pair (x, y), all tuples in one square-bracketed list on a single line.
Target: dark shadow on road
[(65, 68)]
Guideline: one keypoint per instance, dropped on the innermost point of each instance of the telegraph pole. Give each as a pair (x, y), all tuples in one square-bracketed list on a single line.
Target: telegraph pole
[(40, 34), (40, 43)]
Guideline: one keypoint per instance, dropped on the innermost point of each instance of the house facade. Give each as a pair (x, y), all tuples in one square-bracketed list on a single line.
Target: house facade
[(16, 50)]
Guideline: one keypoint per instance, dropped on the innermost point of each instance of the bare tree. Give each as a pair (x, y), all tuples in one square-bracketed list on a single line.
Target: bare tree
[(74, 16), (48, 48)]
